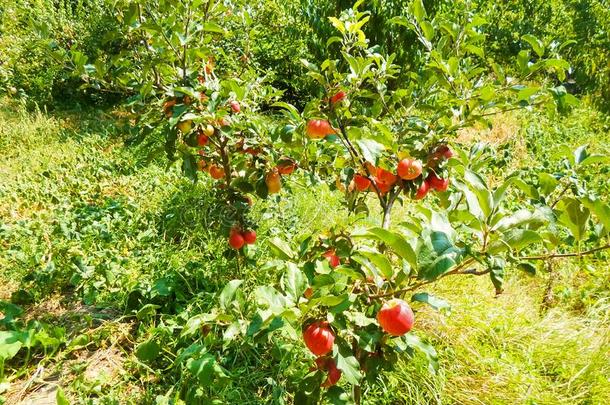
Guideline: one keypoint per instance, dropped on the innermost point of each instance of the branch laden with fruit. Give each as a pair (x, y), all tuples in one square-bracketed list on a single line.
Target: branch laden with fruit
[(383, 144)]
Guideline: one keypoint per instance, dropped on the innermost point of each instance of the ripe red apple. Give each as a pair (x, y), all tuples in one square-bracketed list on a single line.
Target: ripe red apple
[(318, 129), (319, 338), (286, 167), (332, 258), (217, 172), (168, 108), (396, 317), (444, 151), (385, 176), (409, 169), (249, 236), (383, 187), (437, 183), (235, 107), (334, 374), (422, 190), (202, 139), (339, 96), (236, 241), (361, 182)]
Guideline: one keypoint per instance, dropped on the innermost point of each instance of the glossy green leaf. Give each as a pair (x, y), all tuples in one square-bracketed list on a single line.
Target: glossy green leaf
[(228, 292)]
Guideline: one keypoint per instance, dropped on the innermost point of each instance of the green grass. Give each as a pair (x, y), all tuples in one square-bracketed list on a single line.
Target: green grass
[(87, 226)]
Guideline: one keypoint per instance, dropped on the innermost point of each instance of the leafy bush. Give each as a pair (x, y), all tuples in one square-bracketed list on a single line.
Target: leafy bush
[(39, 39)]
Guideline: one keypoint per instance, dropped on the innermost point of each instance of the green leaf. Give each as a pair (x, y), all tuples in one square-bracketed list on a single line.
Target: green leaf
[(535, 43), (228, 292), (427, 29), (600, 210), (371, 149), (211, 26), (10, 343), (292, 111), (348, 364), (147, 311), (148, 351), (484, 196), (520, 218), (418, 10), (281, 249), (203, 369), (295, 282), (380, 261), (395, 241), (268, 296), (575, 216), (413, 341), (60, 397), (528, 268), (435, 302)]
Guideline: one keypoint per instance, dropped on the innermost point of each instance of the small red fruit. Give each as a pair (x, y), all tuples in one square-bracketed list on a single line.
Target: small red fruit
[(409, 169), (249, 237), (385, 176), (236, 241), (202, 139), (362, 183), (396, 317), (422, 190), (382, 186), (235, 107), (339, 96), (332, 258), (319, 338), (437, 183), (217, 172), (318, 129), (286, 167), (334, 374), (444, 151), (308, 293)]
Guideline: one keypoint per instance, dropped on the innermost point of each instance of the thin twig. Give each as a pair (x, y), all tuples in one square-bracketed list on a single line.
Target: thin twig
[(564, 255)]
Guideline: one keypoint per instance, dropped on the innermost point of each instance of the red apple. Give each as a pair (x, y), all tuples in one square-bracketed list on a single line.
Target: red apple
[(249, 236), (319, 338), (437, 183), (409, 169), (318, 129), (217, 172), (235, 107), (396, 317), (334, 374), (286, 167), (332, 258), (339, 96), (202, 139), (422, 190), (236, 241), (362, 183), (385, 176)]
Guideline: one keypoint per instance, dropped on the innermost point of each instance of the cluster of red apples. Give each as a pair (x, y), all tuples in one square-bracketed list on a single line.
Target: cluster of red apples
[(395, 318)]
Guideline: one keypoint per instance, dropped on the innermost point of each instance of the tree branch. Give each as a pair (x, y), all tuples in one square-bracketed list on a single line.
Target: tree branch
[(564, 255)]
